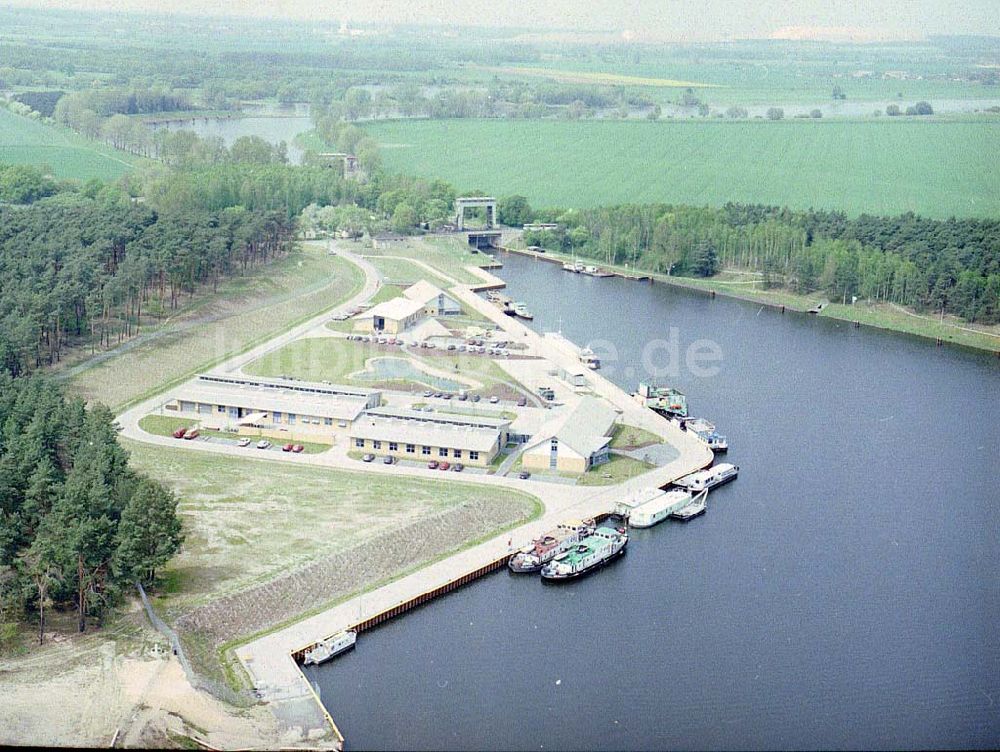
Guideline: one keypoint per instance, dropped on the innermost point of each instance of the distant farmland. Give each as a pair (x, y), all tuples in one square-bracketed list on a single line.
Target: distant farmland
[(937, 168), (26, 141)]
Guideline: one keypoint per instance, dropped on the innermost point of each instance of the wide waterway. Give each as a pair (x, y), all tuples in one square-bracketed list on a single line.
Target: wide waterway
[(843, 592)]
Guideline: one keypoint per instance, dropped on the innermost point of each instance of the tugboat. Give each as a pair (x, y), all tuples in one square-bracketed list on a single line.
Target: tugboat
[(536, 554), (664, 400), (326, 649), (593, 552)]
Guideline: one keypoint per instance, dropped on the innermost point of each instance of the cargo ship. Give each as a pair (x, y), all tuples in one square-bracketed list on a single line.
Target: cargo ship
[(540, 551), (664, 400), (326, 649), (593, 552)]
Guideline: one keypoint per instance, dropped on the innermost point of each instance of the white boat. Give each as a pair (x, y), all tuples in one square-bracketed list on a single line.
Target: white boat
[(624, 507), (326, 649), (710, 478), (589, 554), (589, 359), (705, 431), (697, 506), (657, 510), (520, 309), (576, 267)]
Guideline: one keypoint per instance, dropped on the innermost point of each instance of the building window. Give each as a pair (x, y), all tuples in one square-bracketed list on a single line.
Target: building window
[(376, 444), (291, 419), (425, 450), (473, 455), (220, 409), (327, 421), (411, 448), (276, 417), (359, 443), (456, 453), (393, 446), (442, 452)]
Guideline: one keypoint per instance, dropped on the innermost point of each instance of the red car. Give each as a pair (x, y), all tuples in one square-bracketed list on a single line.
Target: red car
[(287, 448), (432, 465), (298, 448), (443, 466), (179, 433)]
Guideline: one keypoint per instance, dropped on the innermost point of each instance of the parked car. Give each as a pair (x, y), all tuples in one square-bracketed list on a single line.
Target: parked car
[(389, 459), (458, 467), (263, 444), (521, 401), (461, 348), (298, 449), (443, 466), (287, 447), (368, 458), (463, 397), (476, 398), (179, 433), (191, 433), (428, 393), (494, 399), (243, 442), (432, 465), (524, 475), (451, 347), (438, 394), (445, 396)]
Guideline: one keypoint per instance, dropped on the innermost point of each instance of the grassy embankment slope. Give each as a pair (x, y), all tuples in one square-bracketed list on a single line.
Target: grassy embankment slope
[(248, 310), (938, 168), (69, 155)]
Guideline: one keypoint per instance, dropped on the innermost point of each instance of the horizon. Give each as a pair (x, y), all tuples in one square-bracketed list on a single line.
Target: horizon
[(674, 21)]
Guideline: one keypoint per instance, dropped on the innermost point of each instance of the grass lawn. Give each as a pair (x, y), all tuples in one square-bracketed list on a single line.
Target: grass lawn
[(248, 521), (632, 437), (448, 255), (617, 470), (336, 359), (69, 155), (935, 167), (247, 310)]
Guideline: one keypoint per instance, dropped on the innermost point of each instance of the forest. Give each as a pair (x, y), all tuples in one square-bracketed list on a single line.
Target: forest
[(947, 266), (77, 526)]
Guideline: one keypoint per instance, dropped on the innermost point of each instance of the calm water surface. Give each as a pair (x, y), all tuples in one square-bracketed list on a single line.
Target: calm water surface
[(843, 592)]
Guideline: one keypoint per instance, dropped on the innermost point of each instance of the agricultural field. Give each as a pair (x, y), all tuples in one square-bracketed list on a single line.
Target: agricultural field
[(934, 167), (67, 154), (247, 311)]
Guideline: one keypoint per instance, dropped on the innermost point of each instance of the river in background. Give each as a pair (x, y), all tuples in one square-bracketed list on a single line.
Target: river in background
[(843, 592)]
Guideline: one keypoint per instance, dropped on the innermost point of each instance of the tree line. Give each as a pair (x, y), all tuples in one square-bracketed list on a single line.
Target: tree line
[(92, 266), (948, 266), (77, 525)]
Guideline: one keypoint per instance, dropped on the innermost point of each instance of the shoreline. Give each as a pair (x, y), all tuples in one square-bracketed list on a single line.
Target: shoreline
[(793, 302)]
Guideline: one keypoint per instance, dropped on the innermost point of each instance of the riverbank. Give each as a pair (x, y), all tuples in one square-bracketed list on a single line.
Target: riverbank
[(745, 286)]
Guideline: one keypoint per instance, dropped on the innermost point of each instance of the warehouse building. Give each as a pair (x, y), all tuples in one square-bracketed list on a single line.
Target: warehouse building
[(414, 435), (275, 408), (575, 441)]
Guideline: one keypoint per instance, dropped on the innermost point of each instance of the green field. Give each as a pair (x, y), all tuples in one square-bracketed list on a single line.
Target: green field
[(938, 168), (27, 141)]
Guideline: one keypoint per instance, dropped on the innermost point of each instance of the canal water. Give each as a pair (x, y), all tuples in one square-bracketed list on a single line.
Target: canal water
[(843, 592)]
